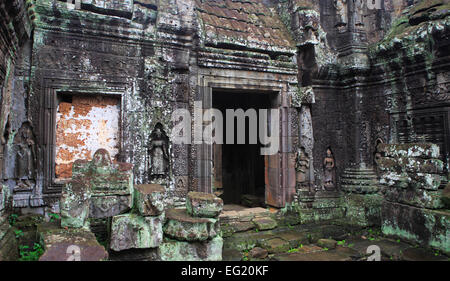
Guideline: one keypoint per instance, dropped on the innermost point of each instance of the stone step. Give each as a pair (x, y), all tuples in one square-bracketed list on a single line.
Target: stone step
[(69, 244), (360, 189), (358, 182)]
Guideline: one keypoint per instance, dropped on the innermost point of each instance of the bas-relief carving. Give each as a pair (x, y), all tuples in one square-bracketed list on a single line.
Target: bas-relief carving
[(302, 167), (158, 152), (358, 13), (26, 156), (329, 167), (341, 14)]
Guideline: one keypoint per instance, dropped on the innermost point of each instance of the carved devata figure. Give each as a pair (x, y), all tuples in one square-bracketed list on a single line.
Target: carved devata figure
[(329, 168), (158, 153), (358, 13), (302, 167), (341, 14), (25, 156)]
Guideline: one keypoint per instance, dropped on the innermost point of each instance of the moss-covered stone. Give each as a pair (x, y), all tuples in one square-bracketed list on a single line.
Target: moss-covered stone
[(200, 204), (210, 250), (149, 199), (415, 197), (69, 244), (327, 243), (133, 231), (181, 226), (363, 210), (421, 150), (74, 203), (8, 243), (446, 196), (429, 228), (276, 245), (264, 223)]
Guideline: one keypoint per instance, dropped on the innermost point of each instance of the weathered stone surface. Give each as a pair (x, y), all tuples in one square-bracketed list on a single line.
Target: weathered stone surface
[(258, 253), (106, 178), (109, 206), (327, 243), (251, 201), (415, 180), (210, 250), (232, 227), (9, 248), (264, 223), (427, 227), (69, 244), (446, 196), (413, 165), (363, 210), (181, 226), (151, 254), (74, 203), (415, 197), (339, 254), (200, 204), (275, 245), (421, 150), (132, 231), (2, 199), (149, 199)]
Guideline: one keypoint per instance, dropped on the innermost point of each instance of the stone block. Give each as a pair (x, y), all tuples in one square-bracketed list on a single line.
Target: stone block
[(446, 196), (327, 243), (74, 203), (8, 242), (276, 245), (412, 165), (123, 8), (420, 150), (69, 245), (109, 206), (206, 205), (179, 225), (363, 210), (415, 197), (131, 231), (264, 223), (210, 250), (430, 228), (149, 199), (258, 253), (2, 198)]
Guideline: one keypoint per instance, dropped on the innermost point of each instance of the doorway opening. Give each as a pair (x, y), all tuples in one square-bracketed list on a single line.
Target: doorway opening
[(239, 170)]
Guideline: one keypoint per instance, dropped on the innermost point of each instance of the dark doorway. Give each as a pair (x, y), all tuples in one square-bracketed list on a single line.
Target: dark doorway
[(239, 169)]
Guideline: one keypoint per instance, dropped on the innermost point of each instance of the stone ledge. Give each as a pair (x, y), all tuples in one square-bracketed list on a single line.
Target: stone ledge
[(179, 225), (59, 244)]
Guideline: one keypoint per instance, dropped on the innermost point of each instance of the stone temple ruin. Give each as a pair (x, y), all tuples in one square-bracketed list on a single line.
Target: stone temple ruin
[(90, 169)]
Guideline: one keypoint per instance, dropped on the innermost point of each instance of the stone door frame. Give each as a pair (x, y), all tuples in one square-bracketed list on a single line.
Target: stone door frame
[(276, 166)]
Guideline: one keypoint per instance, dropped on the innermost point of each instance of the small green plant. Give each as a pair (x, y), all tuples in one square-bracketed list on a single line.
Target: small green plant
[(12, 219), (54, 217), (300, 246), (341, 243), (398, 240), (290, 226), (30, 255), (295, 250), (371, 238), (18, 233), (256, 230), (325, 249), (350, 245)]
